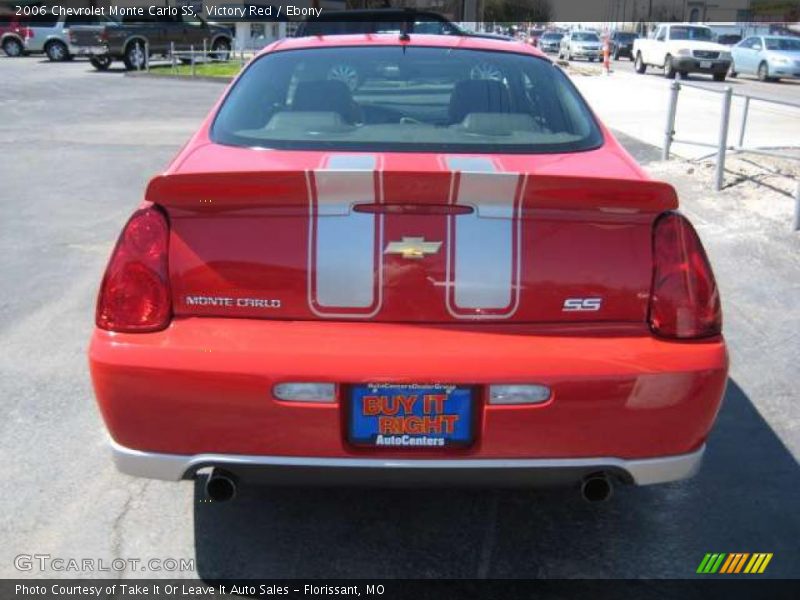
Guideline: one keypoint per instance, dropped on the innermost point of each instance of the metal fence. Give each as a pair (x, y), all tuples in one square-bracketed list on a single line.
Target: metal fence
[(722, 146), (197, 55)]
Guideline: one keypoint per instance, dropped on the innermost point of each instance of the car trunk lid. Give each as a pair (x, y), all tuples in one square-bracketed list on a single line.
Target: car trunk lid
[(360, 237)]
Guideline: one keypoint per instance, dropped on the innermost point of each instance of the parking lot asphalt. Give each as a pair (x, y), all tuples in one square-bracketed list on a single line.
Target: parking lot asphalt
[(79, 149)]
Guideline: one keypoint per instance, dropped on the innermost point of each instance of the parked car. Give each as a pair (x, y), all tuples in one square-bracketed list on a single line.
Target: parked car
[(438, 279), (550, 41), (680, 49), (581, 44), (132, 38), (50, 34), (621, 44), (534, 35), (769, 57), (12, 35)]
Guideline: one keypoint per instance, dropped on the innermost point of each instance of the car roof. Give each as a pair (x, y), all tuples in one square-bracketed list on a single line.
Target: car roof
[(393, 39)]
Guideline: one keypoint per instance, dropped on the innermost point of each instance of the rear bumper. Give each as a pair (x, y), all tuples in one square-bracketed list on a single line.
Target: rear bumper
[(204, 387), (694, 65), (88, 50), (376, 471), (586, 53)]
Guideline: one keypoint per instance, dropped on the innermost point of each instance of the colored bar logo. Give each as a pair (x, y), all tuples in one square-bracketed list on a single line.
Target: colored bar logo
[(733, 563)]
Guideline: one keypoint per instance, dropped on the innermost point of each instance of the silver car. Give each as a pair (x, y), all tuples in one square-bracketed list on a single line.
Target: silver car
[(550, 41), (580, 44), (50, 34), (769, 57)]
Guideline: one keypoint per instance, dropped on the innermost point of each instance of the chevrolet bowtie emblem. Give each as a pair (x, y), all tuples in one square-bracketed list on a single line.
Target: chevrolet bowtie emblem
[(413, 247)]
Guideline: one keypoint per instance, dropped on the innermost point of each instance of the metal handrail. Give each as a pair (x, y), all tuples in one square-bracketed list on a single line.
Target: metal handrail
[(722, 140), (747, 95)]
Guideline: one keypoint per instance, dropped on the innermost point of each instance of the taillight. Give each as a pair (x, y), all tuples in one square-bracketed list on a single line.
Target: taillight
[(685, 301), (134, 295)]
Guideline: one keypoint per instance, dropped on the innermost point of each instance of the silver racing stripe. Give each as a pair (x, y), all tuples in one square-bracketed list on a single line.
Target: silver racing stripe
[(343, 244), (483, 262)]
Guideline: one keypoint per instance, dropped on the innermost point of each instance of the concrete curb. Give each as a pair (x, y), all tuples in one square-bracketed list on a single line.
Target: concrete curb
[(146, 75)]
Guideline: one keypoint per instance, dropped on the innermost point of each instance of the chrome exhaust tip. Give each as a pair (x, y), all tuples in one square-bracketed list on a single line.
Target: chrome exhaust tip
[(221, 486), (597, 488)]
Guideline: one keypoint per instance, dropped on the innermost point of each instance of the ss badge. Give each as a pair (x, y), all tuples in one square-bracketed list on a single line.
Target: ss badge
[(582, 304)]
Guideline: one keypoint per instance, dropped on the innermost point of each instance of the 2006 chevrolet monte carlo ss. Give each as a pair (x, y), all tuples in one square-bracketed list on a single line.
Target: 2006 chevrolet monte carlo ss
[(395, 260)]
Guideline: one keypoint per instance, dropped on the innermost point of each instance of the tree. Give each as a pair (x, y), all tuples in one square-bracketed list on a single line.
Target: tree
[(517, 11)]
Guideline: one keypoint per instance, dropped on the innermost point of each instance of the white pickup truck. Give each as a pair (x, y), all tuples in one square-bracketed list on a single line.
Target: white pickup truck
[(682, 48)]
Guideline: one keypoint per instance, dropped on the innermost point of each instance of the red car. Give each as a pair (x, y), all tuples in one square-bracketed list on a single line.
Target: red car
[(451, 274), (13, 34)]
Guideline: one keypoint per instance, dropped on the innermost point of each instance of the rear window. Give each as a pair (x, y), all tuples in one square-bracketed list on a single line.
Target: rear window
[(786, 44), (45, 20), (73, 20), (392, 98), (690, 33)]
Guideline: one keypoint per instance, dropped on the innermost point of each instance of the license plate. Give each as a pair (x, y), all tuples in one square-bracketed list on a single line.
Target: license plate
[(89, 51), (411, 416), (705, 64)]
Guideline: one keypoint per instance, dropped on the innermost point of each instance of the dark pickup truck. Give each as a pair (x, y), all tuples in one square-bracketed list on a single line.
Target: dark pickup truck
[(130, 39)]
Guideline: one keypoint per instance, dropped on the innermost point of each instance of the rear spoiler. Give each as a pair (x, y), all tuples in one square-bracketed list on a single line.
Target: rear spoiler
[(289, 192)]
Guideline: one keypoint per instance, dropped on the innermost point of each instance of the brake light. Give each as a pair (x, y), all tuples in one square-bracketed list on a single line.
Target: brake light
[(684, 302), (414, 209), (134, 295)]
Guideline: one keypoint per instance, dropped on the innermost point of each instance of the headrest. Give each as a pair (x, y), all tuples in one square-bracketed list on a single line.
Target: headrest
[(478, 96), (325, 96)]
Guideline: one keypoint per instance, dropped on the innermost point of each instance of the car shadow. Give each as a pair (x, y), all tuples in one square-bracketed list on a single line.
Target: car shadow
[(43, 60), (744, 500), (745, 77), (695, 78), (112, 70)]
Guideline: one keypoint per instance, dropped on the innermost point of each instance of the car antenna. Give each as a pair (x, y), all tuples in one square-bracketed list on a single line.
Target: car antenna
[(404, 37)]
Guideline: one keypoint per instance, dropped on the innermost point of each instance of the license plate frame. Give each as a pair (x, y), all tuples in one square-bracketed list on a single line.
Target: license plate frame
[(363, 426)]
